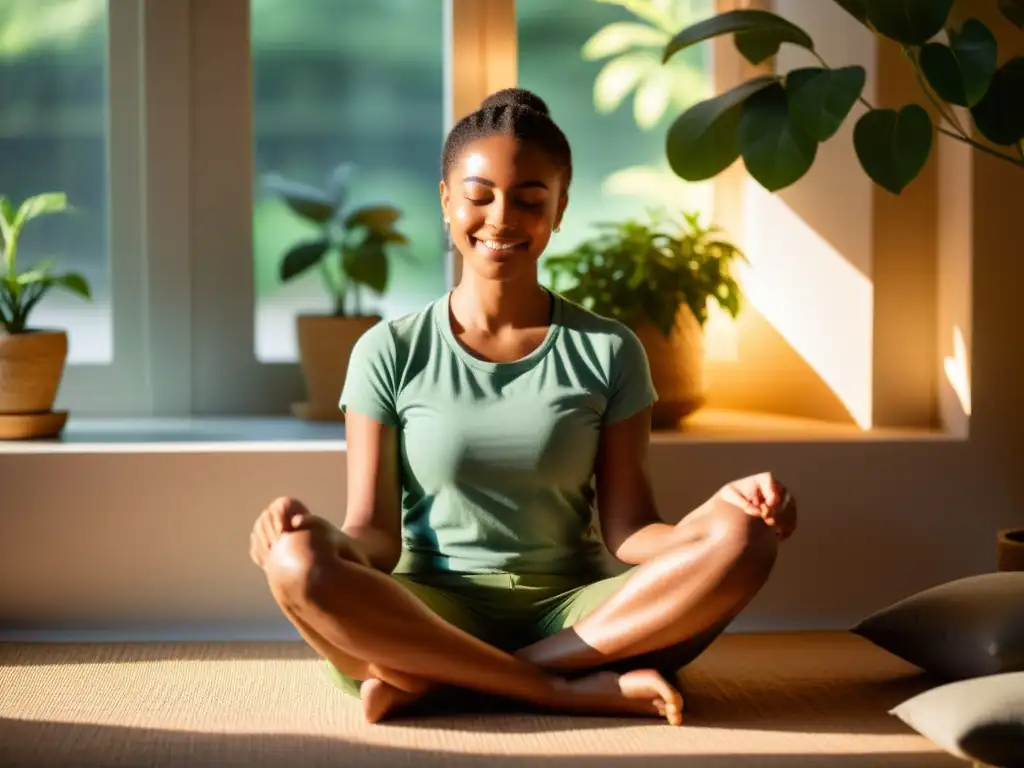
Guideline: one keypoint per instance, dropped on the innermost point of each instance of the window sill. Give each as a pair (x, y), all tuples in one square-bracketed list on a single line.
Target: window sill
[(285, 434)]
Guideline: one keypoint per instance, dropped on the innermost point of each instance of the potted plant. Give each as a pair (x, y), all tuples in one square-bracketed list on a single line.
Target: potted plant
[(32, 360), (657, 278), (351, 250)]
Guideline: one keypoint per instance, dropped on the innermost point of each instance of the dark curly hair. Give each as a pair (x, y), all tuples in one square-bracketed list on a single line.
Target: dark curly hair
[(513, 112)]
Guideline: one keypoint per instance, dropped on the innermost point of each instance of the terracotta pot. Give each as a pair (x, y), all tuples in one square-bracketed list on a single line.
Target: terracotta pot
[(31, 369), (1010, 550), (325, 345), (677, 367)]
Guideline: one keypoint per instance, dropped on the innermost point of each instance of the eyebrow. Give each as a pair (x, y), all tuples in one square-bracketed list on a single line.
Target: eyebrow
[(489, 183)]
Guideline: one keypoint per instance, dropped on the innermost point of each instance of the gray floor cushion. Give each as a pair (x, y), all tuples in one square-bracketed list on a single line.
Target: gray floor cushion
[(962, 629), (980, 719)]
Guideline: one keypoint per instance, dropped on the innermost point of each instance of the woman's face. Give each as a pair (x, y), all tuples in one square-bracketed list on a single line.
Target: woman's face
[(502, 199)]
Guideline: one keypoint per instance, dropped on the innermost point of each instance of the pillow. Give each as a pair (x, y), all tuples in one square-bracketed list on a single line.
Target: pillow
[(980, 719), (965, 628)]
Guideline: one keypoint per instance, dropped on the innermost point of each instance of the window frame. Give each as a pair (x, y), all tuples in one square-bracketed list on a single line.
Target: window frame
[(228, 378)]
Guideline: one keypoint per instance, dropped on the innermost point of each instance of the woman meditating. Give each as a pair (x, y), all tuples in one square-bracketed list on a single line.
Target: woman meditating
[(497, 445)]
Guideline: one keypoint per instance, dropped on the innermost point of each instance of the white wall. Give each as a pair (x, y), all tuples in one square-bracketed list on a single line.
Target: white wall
[(159, 542)]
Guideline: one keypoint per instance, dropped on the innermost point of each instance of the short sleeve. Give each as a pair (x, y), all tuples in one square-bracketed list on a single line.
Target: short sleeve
[(631, 386), (370, 382)]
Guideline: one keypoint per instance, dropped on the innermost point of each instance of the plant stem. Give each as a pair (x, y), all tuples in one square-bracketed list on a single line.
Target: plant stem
[(981, 147)]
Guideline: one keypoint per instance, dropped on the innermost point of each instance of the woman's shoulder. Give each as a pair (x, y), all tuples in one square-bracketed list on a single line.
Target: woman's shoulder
[(386, 338), (598, 329)]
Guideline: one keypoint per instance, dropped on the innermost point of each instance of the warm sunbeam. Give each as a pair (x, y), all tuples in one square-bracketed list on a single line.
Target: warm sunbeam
[(958, 371), (811, 294)]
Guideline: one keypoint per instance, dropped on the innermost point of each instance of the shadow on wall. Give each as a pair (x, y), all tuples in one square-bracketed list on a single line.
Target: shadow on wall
[(27, 743)]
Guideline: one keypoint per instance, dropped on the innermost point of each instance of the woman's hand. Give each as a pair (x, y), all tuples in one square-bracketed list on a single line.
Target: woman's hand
[(765, 497), (286, 515)]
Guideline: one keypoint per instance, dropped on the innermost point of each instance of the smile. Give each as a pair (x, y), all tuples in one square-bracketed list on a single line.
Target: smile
[(499, 246)]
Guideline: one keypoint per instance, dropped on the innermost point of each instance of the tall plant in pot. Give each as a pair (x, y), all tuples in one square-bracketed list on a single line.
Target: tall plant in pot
[(351, 250), (657, 277), (32, 360)]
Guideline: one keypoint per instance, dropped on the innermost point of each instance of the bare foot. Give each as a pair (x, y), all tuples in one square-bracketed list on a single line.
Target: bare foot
[(381, 699), (641, 692)]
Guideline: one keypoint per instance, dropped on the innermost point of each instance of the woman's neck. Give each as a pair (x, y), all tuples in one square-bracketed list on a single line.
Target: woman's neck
[(492, 306)]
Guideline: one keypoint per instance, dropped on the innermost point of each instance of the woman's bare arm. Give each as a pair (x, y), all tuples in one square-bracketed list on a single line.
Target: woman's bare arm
[(630, 524), (373, 512)]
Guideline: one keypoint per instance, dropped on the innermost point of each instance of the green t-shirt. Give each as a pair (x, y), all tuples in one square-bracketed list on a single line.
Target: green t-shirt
[(497, 459)]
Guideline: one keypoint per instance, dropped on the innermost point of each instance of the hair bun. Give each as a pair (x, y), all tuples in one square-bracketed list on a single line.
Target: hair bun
[(516, 97)]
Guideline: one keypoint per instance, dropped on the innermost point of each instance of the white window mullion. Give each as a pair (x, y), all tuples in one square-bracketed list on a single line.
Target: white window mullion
[(168, 149), (228, 379), (121, 387)]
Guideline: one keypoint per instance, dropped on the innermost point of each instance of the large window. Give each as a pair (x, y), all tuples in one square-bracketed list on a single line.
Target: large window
[(53, 137), (597, 64), (336, 83)]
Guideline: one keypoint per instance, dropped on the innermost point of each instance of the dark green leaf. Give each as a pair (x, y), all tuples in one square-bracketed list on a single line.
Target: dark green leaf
[(703, 140), (999, 115), (893, 146), (856, 8), (961, 73), (1013, 10), (367, 263), (820, 99), (757, 45), (974, 46), (302, 257), (911, 22), (377, 218), (74, 282), (766, 24), (776, 151), (943, 74)]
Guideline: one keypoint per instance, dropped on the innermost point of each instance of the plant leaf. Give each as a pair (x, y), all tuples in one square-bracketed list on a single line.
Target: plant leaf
[(856, 8), (893, 146), (1013, 11), (911, 22), (74, 283), (765, 24), (776, 151), (48, 202), (960, 73), (975, 49), (652, 99), (7, 214), (943, 73), (619, 76), (379, 219), (999, 115), (703, 140), (757, 45), (307, 201), (619, 37), (367, 264), (820, 99), (302, 257)]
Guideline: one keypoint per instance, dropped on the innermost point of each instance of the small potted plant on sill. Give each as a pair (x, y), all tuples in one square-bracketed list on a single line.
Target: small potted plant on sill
[(32, 360), (351, 250), (657, 278)]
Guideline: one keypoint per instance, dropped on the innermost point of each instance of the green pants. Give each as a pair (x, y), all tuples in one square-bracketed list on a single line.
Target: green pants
[(510, 611)]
